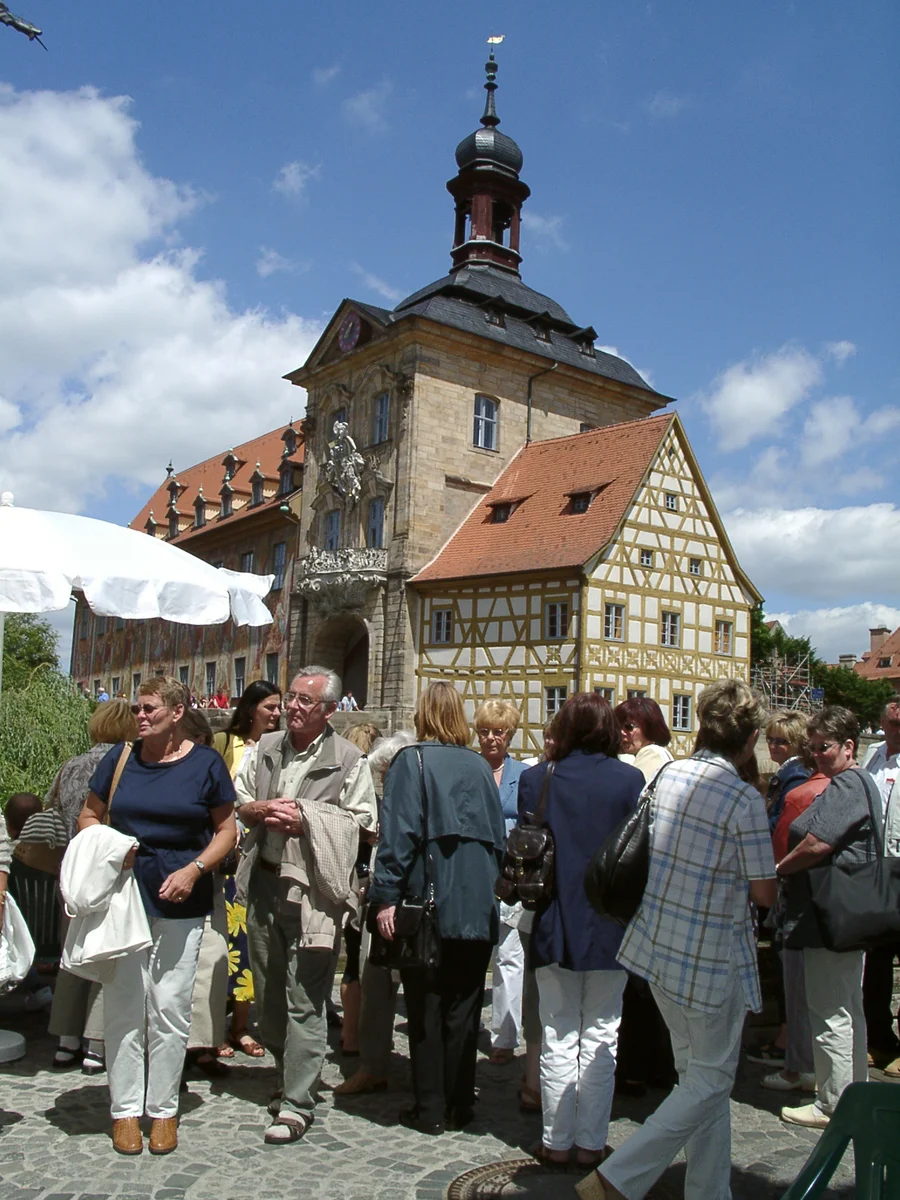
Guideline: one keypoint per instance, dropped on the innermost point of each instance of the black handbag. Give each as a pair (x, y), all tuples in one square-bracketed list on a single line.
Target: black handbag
[(857, 905), (528, 867), (416, 944), (617, 874)]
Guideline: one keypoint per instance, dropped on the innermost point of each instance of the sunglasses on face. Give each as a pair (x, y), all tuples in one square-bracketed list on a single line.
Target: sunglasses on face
[(147, 709), (775, 741), (824, 748)]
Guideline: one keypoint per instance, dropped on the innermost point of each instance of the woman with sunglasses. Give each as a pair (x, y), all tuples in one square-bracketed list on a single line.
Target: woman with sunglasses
[(645, 734), (785, 736), (835, 826), (176, 799)]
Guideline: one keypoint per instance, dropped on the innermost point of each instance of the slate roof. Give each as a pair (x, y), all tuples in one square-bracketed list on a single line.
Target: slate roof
[(267, 449), (868, 666), (543, 533)]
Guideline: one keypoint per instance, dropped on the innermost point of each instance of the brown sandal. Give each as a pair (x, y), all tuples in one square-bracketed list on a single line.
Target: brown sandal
[(544, 1155), (247, 1045)]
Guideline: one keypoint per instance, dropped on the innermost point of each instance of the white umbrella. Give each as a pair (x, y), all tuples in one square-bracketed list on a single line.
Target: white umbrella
[(122, 573)]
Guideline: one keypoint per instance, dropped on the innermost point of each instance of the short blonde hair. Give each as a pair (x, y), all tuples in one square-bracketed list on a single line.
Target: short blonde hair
[(729, 712), (363, 737), (169, 690), (502, 713), (789, 724), (440, 715), (112, 721)]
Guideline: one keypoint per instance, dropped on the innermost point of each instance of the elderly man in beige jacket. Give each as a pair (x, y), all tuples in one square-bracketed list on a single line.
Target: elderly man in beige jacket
[(298, 890)]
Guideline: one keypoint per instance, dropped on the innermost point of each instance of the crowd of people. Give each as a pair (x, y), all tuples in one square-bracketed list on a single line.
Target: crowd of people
[(248, 859)]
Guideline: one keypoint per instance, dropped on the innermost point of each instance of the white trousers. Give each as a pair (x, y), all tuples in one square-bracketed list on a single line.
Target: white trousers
[(580, 1013), (210, 997), (834, 996), (507, 975), (696, 1115), (147, 1011)]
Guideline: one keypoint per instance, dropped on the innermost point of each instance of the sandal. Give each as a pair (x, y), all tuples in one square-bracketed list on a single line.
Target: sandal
[(64, 1058), (544, 1156), (592, 1158), (500, 1057), (226, 1050), (246, 1044), (529, 1099), (285, 1130)]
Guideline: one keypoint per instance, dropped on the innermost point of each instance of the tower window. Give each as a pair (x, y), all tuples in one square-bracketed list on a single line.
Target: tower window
[(381, 418), (375, 524), (485, 435), (333, 529)]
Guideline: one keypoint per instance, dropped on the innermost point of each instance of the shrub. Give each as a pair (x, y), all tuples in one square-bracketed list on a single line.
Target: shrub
[(42, 724)]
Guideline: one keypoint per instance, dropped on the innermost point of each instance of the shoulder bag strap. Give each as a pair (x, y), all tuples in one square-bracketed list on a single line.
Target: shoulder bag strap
[(120, 767), (545, 792), (876, 815), (427, 887)]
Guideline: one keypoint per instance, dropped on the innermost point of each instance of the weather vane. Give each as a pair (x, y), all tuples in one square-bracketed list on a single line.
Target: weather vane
[(31, 31)]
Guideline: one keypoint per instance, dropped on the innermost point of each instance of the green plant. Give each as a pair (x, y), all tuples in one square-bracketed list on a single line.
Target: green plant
[(29, 641), (42, 724)]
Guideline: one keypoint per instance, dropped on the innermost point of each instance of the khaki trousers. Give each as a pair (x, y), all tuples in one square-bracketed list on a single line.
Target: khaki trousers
[(291, 985)]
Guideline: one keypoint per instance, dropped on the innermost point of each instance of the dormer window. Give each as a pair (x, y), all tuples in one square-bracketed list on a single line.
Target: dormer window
[(226, 503), (586, 348), (230, 463), (500, 513), (884, 662), (581, 501), (256, 486), (150, 525), (289, 437), (494, 315), (286, 480), (584, 340), (542, 333), (173, 524)]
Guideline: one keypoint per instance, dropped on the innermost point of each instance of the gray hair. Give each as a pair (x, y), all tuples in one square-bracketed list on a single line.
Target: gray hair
[(729, 712), (332, 690), (386, 749)]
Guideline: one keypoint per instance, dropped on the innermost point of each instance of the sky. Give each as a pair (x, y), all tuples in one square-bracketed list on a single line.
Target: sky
[(189, 191)]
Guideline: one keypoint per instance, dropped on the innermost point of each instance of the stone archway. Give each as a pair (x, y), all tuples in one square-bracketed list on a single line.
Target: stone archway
[(342, 644)]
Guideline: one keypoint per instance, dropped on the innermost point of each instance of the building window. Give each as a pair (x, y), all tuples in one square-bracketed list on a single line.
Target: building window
[(636, 693), (256, 492), (199, 513), (556, 620), (247, 562), (240, 676), (135, 684), (584, 427), (670, 632), (100, 626), (279, 559), (607, 694), (500, 513), (286, 484), (272, 668), (381, 418), (554, 699), (485, 436), (115, 685), (671, 502), (375, 524), (723, 637), (614, 622), (210, 679), (646, 558), (580, 502), (85, 627), (173, 525), (681, 713), (225, 507), (120, 624), (184, 676), (441, 625), (333, 529), (884, 662), (96, 688), (695, 566)]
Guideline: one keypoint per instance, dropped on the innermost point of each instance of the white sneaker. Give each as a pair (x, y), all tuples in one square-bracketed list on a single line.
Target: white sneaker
[(809, 1116), (778, 1083)]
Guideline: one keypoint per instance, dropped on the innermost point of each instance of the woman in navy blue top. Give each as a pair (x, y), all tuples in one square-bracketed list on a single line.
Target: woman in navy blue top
[(573, 950), (176, 799)]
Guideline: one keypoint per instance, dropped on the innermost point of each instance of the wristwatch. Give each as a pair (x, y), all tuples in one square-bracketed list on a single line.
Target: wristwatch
[(200, 865)]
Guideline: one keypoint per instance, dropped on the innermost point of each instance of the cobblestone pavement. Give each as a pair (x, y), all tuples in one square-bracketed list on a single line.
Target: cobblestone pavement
[(54, 1138)]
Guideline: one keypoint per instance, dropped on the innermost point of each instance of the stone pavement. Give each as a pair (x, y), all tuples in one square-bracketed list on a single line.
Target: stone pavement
[(54, 1142)]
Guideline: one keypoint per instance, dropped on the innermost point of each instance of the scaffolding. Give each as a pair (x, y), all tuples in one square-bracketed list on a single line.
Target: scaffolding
[(787, 684)]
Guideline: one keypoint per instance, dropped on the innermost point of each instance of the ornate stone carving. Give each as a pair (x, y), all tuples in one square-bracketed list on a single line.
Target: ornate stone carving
[(336, 581), (344, 464)]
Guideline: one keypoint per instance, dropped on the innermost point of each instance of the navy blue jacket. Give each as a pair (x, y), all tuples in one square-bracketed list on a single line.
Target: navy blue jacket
[(590, 794)]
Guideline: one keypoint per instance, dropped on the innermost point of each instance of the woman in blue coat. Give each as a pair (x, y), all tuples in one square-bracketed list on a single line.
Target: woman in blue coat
[(573, 950), (495, 723)]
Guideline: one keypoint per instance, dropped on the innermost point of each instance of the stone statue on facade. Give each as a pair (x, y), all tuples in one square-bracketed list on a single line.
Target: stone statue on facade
[(344, 464)]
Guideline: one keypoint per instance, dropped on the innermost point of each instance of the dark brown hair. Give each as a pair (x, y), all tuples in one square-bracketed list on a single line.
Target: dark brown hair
[(585, 722), (647, 715)]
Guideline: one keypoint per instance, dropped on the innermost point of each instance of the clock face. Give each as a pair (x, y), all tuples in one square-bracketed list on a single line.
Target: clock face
[(349, 332)]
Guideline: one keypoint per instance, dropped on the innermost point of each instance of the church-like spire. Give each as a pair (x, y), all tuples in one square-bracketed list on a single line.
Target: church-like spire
[(488, 192)]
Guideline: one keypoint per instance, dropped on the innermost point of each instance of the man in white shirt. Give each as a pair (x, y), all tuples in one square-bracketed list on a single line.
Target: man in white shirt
[(883, 764)]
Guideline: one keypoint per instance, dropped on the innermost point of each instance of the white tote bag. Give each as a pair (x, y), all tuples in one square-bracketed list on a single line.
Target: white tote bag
[(16, 947)]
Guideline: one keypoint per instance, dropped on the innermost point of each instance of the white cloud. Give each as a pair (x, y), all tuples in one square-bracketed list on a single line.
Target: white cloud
[(292, 179), (115, 355), (367, 108), (819, 556), (375, 284), (269, 261), (840, 351), (546, 232), (829, 431), (750, 398), (880, 422), (324, 75), (837, 631), (664, 105)]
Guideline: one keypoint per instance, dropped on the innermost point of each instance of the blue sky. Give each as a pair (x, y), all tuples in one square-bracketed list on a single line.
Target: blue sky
[(195, 187)]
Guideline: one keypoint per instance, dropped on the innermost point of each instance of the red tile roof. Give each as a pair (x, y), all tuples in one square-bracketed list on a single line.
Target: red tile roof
[(868, 667), (267, 450), (542, 532)]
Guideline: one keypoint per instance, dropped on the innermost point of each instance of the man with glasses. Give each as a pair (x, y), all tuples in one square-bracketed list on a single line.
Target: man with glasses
[(291, 928)]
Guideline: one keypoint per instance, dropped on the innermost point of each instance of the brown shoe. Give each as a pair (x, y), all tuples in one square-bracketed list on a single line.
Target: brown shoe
[(361, 1084), (163, 1135), (126, 1135)]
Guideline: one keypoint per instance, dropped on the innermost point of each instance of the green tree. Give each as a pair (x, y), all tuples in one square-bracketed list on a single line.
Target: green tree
[(41, 726), (28, 642), (865, 698)]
